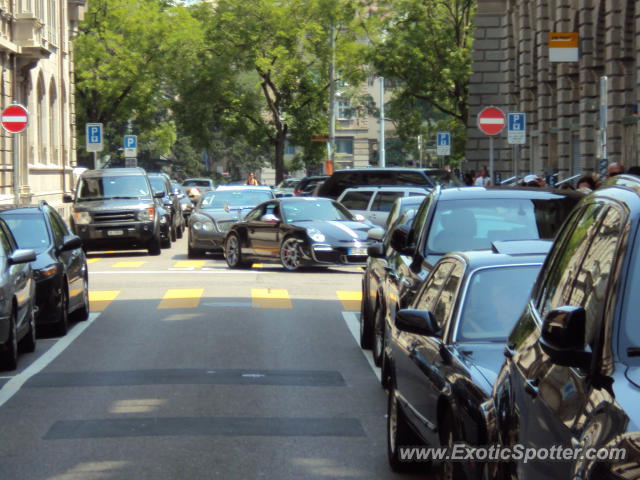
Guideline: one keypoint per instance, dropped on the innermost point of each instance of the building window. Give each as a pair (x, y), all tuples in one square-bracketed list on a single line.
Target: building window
[(289, 149), (344, 146), (344, 110)]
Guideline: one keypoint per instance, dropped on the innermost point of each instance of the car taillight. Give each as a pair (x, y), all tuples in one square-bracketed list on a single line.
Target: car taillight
[(297, 192)]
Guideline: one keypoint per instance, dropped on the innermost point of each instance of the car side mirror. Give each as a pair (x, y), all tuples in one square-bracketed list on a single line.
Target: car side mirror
[(563, 337), (66, 198), (400, 240), (21, 255), (269, 218), (376, 250), (376, 233), (70, 242), (420, 322), (158, 194)]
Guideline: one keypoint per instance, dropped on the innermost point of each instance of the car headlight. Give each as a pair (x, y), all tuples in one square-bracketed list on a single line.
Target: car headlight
[(208, 226), (81, 218), (147, 214), (315, 234), (45, 272)]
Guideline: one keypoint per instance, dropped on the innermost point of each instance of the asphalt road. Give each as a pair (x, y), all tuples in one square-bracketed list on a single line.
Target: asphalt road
[(188, 370)]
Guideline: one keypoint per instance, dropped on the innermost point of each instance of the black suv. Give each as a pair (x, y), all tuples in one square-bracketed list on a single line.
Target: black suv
[(571, 376), (461, 219), (160, 182), (357, 177), (114, 208)]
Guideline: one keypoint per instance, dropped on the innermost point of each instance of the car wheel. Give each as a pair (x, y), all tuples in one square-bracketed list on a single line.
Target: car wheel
[(172, 233), (9, 350), (180, 231), (81, 314), (399, 434), (448, 437), (155, 246), (28, 342), (166, 242), (232, 252), (378, 335), (61, 326), (385, 371), (290, 255), (366, 332)]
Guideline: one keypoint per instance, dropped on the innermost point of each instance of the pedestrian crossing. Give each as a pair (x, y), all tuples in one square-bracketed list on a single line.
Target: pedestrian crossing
[(260, 298)]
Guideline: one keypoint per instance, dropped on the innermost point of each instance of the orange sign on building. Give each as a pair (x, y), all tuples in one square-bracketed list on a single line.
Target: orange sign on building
[(563, 47)]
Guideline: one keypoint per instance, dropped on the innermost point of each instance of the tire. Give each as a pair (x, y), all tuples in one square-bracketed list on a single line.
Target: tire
[(165, 242), (448, 436), (180, 231), (290, 255), (385, 372), (233, 253), (155, 246), (61, 326), (82, 314), (194, 252), (28, 342), (172, 233), (366, 330), (399, 434), (9, 350), (379, 326)]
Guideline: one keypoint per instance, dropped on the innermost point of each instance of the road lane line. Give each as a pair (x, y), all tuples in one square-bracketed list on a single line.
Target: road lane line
[(92, 260), (189, 264), (181, 298), (100, 299), (128, 264), (270, 298), (13, 386), (350, 299), (353, 324)]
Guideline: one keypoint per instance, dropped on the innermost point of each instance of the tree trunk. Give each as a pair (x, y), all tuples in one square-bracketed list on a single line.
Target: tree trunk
[(279, 142)]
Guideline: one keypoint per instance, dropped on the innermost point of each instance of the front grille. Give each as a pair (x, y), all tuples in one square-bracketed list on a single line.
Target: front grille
[(115, 217)]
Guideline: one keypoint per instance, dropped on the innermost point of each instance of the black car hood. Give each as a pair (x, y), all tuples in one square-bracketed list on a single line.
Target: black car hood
[(112, 204), (483, 361), (342, 231)]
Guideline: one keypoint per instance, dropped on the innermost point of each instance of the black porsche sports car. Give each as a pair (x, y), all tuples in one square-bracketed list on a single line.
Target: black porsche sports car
[(298, 231)]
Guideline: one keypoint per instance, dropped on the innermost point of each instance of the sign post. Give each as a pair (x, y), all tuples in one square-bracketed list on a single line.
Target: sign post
[(15, 119), (603, 154), (95, 140), (491, 121), (516, 135)]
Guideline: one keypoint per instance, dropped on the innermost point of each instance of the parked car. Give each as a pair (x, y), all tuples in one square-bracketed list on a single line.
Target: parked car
[(296, 232), (160, 182), (374, 203), (356, 177), (17, 300), (307, 185), (446, 349), (286, 187), (570, 375), (186, 207), (114, 208), (402, 213), (462, 219), (60, 268), (202, 184), (217, 211)]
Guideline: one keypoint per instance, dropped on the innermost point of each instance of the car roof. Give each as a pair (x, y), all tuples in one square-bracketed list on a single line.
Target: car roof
[(387, 169), (11, 208), (197, 178), (304, 199), (260, 188), (391, 188), (491, 258), (466, 193), (114, 172)]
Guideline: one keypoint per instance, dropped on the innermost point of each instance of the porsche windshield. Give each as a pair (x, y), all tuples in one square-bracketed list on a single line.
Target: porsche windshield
[(308, 210)]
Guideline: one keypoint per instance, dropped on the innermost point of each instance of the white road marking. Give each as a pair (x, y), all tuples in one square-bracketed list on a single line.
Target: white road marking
[(13, 386), (353, 323)]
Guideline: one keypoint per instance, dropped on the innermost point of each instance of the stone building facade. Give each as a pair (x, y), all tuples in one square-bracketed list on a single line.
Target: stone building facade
[(36, 70), (511, 70)]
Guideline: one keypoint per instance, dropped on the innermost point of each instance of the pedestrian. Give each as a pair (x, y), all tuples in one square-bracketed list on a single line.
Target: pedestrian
[(615, 169), (252, 180), (468, 179), (482, 180), (586, 184)]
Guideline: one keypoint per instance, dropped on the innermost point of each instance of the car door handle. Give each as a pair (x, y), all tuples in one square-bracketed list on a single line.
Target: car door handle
[(531, 387)]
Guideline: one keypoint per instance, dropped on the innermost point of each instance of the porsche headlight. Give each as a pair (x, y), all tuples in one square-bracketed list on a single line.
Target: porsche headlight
[(315, 234), (81, 218)]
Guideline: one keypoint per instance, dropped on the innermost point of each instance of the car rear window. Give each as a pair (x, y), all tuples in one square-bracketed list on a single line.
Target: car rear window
[(196, 183), (29, 230), (358, 200), (384, 201)]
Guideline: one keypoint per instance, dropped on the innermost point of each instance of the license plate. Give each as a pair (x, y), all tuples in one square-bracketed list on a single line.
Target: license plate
[(115, 233), (357, 251)]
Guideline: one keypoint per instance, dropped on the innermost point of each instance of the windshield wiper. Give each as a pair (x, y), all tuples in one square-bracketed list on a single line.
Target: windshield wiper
[(122, 198)]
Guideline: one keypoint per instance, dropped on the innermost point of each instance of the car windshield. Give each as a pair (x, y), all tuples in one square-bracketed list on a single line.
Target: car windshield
[(475, 224), (196, 183), (304, 211), (494, 300), (235, 198), (288, 183), (157, 183), (125, 186), (29, 230)]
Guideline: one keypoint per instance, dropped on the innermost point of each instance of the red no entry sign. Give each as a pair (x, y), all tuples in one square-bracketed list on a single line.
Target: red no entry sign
[(491, 121), (14, 118)]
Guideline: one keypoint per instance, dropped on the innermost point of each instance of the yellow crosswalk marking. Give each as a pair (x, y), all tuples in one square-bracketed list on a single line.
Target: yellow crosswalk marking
[(127, 264), (270, 298), (257, 265), (181, 298), (189, 264), (100, 299), (350, 300), (92, 260)]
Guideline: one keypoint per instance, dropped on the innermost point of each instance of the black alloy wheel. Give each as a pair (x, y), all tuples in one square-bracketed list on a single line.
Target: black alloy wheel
[(290, 254), (233, 253), (399, 434), (9, 350)]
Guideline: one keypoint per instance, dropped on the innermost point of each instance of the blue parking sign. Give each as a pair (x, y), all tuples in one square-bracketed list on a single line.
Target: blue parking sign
[(516, 128), (443, 143), (95, 136), (130, 141)]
